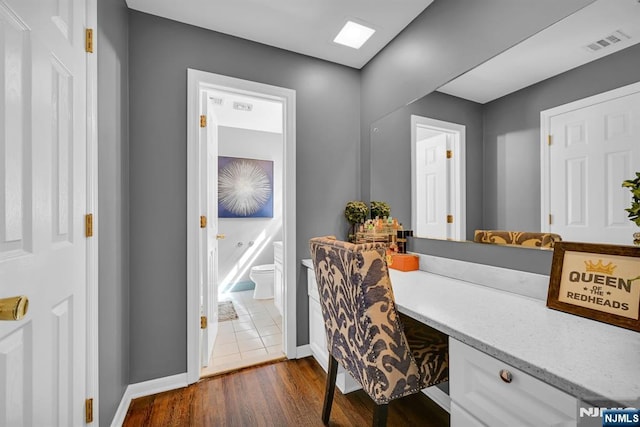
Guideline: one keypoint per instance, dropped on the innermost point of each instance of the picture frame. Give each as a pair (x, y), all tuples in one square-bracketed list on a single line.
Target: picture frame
[(596, 281), (245, 188)]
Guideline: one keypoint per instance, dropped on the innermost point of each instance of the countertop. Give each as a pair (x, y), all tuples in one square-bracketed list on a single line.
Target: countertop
[(593, 361)]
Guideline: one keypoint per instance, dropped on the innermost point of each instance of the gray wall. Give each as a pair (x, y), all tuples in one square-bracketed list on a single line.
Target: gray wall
[(113, 204), (512, 136), (391, 154), (447, 39), (328, 144)]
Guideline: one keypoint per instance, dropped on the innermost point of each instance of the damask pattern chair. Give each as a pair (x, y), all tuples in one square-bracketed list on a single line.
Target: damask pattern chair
[(389, 354), (520, 238)]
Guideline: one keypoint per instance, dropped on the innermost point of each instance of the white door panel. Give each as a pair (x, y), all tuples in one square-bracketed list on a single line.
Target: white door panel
[(432, 186), (43, 179), (594, 149), (208, 240)]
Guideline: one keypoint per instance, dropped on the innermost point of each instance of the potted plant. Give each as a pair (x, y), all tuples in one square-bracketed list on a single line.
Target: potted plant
[(380, 210), (355, 212), (634, 211)]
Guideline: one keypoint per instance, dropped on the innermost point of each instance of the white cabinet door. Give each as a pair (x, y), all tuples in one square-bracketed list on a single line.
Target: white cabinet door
[(477, 387), (43, 175), (318, 339)]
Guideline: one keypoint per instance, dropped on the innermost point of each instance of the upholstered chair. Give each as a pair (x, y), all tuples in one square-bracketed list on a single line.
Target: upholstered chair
[(519, 238), (389, 354)]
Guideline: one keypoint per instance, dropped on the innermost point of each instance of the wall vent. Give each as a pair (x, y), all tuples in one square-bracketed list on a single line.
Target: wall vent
[(611, 39), (242, 106)]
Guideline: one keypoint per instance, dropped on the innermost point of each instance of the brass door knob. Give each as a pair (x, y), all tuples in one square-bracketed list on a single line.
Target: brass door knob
[(220, 236), (14, 308)]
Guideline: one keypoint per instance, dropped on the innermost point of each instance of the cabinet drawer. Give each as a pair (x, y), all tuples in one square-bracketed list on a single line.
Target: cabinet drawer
[(477, 387), (461, 418)]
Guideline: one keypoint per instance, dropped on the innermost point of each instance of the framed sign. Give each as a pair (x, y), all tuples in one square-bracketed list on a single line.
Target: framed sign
[(601, 282)]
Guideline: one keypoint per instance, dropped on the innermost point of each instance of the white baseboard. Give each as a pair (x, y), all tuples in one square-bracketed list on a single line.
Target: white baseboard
[(303, 351), (440, 397), (146, 388)]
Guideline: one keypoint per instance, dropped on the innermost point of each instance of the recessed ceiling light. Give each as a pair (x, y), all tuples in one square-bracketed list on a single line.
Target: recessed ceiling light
[(353, 35)]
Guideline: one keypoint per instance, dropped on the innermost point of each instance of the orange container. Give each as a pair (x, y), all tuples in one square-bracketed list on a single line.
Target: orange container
[(403, 262)]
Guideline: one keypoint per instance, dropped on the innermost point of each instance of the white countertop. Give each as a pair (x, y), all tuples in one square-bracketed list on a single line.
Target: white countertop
[(585, 358)]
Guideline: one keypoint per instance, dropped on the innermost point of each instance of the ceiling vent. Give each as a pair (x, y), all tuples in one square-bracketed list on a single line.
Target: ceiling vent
[(242, 106), (611, 39), (216, 101)]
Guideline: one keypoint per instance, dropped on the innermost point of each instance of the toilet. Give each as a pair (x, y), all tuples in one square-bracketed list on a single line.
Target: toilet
[(262, 276)]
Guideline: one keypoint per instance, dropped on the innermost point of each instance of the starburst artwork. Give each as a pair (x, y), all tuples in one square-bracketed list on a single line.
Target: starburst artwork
[(245, 188)]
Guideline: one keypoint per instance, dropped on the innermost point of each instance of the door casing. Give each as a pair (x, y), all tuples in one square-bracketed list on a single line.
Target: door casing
[(455, 171)]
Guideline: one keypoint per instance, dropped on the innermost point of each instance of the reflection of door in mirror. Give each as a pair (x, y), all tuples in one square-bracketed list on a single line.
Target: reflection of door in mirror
[(438, 183), (592, 147)]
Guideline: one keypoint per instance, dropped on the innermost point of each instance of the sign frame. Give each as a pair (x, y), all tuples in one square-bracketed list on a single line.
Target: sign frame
[(566, 252)]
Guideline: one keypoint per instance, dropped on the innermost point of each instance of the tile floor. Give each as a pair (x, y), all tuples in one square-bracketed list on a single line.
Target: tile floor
[(254, 337)]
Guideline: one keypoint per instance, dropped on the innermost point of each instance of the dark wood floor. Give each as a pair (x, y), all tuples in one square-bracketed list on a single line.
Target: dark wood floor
[(287, 393)]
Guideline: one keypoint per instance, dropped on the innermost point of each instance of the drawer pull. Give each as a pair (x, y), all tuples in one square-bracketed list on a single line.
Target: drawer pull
[(506, 376)]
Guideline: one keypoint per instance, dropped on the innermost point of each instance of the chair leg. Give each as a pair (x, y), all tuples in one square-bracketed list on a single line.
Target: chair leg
[(331, 386), (380, 415)]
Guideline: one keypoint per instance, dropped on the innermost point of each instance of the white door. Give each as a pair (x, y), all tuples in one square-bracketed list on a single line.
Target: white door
[(432, 187), (43, 173), (594, 149), (208, 238)]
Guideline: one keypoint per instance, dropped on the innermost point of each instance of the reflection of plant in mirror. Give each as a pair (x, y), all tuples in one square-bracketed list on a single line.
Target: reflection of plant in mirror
[(380, 209), (634, 186), (355, 212)]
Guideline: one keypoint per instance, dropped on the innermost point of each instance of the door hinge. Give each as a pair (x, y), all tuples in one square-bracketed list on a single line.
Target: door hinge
[(203, 121), (88, 225), (88, 411), (203, 322), (449, 219), (203, 221), (88, 40), (550, 219), (549, 140), (449, 154)]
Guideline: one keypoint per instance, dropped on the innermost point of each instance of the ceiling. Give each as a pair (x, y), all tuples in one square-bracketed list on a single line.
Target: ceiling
[(303, 26), (558, 48)]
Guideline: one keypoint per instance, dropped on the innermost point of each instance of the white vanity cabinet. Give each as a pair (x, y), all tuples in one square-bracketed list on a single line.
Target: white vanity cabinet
[(487, 391), (278, 275), (317, 339)]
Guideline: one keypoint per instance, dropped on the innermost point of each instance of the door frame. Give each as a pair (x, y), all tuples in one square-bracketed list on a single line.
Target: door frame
[(198, 81), (545, 151), (456, 174)]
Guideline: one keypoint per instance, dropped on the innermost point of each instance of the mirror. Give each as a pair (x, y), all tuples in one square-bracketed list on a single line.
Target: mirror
[(499, 104)]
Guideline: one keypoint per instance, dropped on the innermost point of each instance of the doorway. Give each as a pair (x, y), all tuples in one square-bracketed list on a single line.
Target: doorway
[(225, 241), (248, 138)]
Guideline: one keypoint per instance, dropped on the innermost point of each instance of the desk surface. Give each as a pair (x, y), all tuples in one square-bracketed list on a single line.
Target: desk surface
[(591, 360)]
